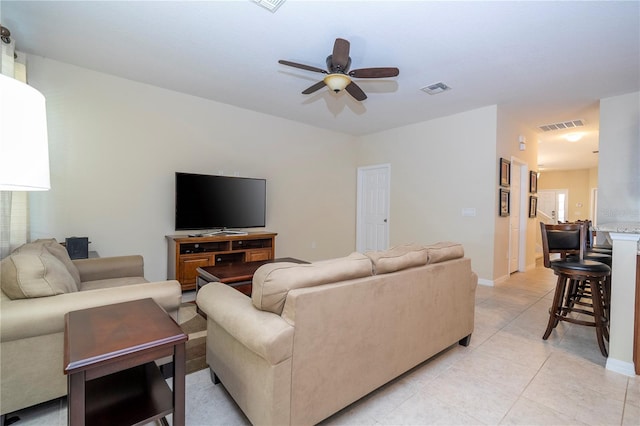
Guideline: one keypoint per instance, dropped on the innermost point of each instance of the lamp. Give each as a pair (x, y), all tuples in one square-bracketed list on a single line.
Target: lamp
[(24, 154), (337, 81)]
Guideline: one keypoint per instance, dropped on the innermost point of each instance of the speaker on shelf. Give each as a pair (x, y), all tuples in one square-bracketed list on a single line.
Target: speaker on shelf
[(77, 247)]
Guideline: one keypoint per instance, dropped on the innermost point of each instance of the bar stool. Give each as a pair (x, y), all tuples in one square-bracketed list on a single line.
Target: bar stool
[(597, 254), (591, 245), (578, 279)]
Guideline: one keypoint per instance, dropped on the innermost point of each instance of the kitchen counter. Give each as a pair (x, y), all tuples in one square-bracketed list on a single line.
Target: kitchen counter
[(620, 227), (626, 240)]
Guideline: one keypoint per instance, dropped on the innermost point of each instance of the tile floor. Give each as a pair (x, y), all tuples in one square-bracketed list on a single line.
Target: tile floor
[(508, 375)]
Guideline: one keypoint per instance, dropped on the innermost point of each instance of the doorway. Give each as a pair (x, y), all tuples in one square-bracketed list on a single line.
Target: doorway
[(518, 216), (372, 217), (553, 205)]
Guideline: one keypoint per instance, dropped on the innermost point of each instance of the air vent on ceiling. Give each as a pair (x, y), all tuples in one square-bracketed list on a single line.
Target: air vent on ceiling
[(434, 89), (562, 125), (271, 5)]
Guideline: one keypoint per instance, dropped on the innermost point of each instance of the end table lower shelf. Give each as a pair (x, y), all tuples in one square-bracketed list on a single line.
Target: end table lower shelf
[(109, 354), (112, 400)]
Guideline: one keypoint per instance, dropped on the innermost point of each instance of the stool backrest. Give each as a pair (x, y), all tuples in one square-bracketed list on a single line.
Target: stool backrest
[(589, 233), (563, 238)]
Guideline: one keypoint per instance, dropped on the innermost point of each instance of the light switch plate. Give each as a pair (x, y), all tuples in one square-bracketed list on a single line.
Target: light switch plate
[(469, 211)]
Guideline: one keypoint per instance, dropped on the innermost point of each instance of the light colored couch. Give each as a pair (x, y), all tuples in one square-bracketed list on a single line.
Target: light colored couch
[(314, 338), (40, 284)]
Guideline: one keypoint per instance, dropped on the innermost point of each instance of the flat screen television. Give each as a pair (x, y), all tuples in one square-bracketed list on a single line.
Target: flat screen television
[(219, 202)]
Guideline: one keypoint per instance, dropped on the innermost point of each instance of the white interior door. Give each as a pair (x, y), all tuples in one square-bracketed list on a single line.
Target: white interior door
[(373, 208), (552, 205), (514, 217)]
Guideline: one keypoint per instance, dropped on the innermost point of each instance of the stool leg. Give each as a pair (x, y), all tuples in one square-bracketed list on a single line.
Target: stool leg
[(572, 294), (606, 302), (556, 306), (598, 313)]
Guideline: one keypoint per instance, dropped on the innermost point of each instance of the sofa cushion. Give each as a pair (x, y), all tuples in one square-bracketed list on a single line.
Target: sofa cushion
[(446, 250), (398, 258), (111, 282), (56, 249), (272, 282), (34, 273)]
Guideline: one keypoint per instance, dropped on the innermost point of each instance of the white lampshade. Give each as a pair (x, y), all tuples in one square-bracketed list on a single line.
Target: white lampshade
[(337, 81), (24, 152)]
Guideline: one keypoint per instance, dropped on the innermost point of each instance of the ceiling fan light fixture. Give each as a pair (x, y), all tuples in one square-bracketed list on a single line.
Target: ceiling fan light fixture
[(337, 81)]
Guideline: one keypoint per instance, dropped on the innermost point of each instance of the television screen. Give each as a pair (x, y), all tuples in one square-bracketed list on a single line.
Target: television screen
[(212, 202)]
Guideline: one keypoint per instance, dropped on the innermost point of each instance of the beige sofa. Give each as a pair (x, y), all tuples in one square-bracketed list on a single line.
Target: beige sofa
[(40, 284), (314, 338)]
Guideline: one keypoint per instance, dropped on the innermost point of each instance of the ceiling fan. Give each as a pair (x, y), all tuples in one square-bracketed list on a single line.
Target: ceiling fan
[(338, 76)]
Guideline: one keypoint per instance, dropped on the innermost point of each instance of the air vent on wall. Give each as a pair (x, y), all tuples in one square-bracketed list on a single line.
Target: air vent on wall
[(562, 125)]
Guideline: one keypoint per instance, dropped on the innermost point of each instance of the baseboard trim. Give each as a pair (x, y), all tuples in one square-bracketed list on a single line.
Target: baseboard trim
[(486, 282), (622, 367)]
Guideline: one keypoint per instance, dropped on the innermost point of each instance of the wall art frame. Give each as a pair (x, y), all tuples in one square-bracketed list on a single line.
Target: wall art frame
[(505, 172), (503, 202), (533, 206), (533, 182)]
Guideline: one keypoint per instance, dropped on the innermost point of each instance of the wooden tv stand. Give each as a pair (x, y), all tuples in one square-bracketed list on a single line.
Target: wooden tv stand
[(186, 254)]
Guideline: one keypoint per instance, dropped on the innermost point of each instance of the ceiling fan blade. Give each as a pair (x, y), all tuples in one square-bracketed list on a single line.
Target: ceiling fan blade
[(319, 85), (355, 91), (302, 66), (375, 72), (340, 55)]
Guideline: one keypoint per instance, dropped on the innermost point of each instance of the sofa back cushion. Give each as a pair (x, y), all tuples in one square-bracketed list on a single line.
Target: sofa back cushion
[(34, 273), (443, 251), (272, 282), (398, 258)]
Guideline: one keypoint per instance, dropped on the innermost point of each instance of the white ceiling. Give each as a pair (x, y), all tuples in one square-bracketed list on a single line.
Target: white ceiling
[(544, 62)]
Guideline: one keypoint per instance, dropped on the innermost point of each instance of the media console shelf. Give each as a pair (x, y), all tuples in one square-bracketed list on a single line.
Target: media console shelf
[(186, 254)]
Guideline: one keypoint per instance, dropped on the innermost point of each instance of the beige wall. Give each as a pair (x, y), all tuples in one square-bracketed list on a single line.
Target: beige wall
[(619, 187), (115, 145), (438, 168), (578, 183), (508, 147)]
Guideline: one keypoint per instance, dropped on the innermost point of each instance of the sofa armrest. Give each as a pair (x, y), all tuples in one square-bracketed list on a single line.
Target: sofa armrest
[(24, 318), (264, 333), (102, 268)]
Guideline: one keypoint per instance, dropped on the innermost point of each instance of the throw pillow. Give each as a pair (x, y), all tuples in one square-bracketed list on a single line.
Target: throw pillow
[(398, 258), (57, 250), (272, 282), (34, 273)]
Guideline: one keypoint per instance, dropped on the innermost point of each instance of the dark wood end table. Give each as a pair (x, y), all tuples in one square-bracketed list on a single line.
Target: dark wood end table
[(109, 354)]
